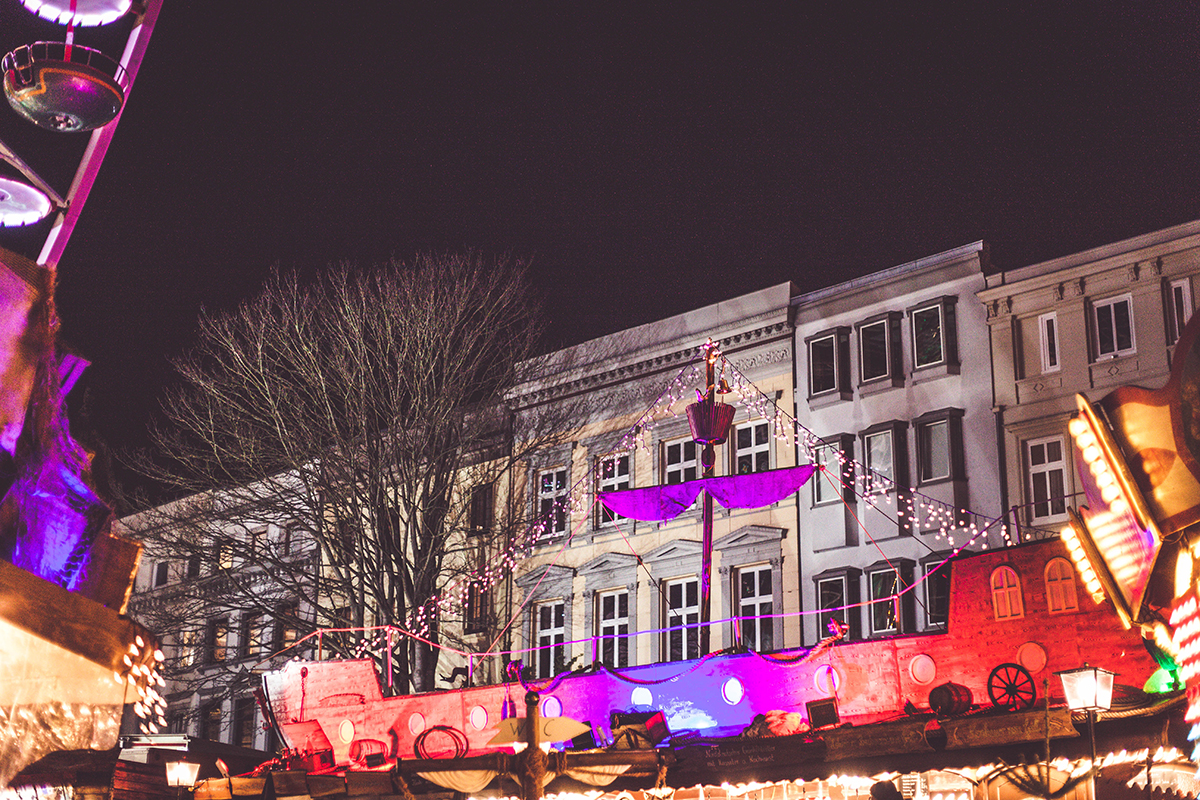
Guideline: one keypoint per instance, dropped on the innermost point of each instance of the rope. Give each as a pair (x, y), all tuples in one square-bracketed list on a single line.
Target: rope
[(461, 746)]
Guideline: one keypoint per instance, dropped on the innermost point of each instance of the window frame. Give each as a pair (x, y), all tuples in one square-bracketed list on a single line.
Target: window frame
[(947, 318), (955, 458), (244, 713), (550, 657), (551, 505), (1047, 467), (890, 597), (612, 634), (481, 510), (893, 374), (688, 631), (682, 466), (760, 618), (476, 609), (1060, 587), (618, 481), (935, 574), (1048, 342), (1111, 303), (839, 364), (849, 579), (1007, 594), (755, 449), (161, 575), (216, 641), (1178, 307)]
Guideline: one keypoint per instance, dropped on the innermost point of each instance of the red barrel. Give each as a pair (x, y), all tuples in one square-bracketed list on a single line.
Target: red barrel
[(950, 698)]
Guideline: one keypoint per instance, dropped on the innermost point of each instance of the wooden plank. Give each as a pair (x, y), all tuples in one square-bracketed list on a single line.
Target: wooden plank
[(1017, 726), (290, 783), (363, 783), (325, 785), (898, 737), (249, 786)]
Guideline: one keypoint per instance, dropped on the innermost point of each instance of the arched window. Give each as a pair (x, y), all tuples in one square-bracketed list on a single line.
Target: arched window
[(1006, 594), (1060, 586)]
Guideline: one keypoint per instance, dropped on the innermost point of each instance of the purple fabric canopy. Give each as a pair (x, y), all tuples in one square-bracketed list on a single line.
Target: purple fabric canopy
[(657, 503)]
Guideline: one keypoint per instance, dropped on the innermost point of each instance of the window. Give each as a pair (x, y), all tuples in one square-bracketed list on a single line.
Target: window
[(1048, 332), (246, 636), (937, 593), (1047, 479), (1060, 586), (612, 476), (162, 572), (881, 462), (613, 627), (822, 365), (217, 640), (755, 607), (551, 633), (933, 449), (475, 615), (1179, 308), (934, 334), (482, 506), (1113, 327), (552, 501), (683, 614), (874, 350), (225, 557), (286, 627), (753, 448), (193, 566), (243, 722), (283, 544), (829, 363), (879, 350), (257, 545), (210, 721), (187, 648), (885, 586), (833, 601), (1006, 594), (835, 456), (939, 445), (681, 461)]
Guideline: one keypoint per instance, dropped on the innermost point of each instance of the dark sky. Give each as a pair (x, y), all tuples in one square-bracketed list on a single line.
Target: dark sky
[(648, 157)]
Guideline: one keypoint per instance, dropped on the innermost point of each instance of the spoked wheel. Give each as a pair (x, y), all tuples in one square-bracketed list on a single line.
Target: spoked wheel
[(1011, 687)]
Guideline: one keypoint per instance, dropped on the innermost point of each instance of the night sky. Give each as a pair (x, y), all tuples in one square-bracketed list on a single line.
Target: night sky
[(649, 158)]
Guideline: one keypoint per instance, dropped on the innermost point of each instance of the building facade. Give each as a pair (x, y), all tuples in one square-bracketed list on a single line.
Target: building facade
[(1084, 323), (894, 402)]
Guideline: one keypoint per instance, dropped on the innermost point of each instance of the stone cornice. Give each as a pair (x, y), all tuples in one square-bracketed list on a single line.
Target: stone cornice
[(672, 361)]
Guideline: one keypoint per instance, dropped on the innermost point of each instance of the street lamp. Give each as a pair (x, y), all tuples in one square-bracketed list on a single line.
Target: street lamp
[(1088, 689), (181, 774)]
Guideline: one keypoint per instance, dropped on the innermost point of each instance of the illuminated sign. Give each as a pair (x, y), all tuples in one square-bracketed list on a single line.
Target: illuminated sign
[(1113, 539)]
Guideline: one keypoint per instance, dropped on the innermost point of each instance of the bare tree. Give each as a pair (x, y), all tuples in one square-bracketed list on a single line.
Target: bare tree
[(360, 419)]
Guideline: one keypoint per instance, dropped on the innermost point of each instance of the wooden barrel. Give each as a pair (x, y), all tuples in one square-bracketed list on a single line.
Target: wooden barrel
[(950, 698)]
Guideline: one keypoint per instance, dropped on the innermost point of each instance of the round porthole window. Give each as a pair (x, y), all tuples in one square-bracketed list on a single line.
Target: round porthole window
[(552, 707), (732, 691), (478, 718), (641, 697), (922, 669), (346, 731), (416, 723), (826, 680)]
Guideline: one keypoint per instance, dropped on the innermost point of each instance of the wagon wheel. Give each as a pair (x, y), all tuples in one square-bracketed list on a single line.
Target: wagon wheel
[(1011, 687)]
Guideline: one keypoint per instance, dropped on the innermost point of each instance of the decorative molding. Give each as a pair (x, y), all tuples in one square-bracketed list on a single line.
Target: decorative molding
[(1000, 307), (723, 571), (1156, 266), (1077, 287), (1133, 271), (652, 366), (1058, 293)]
